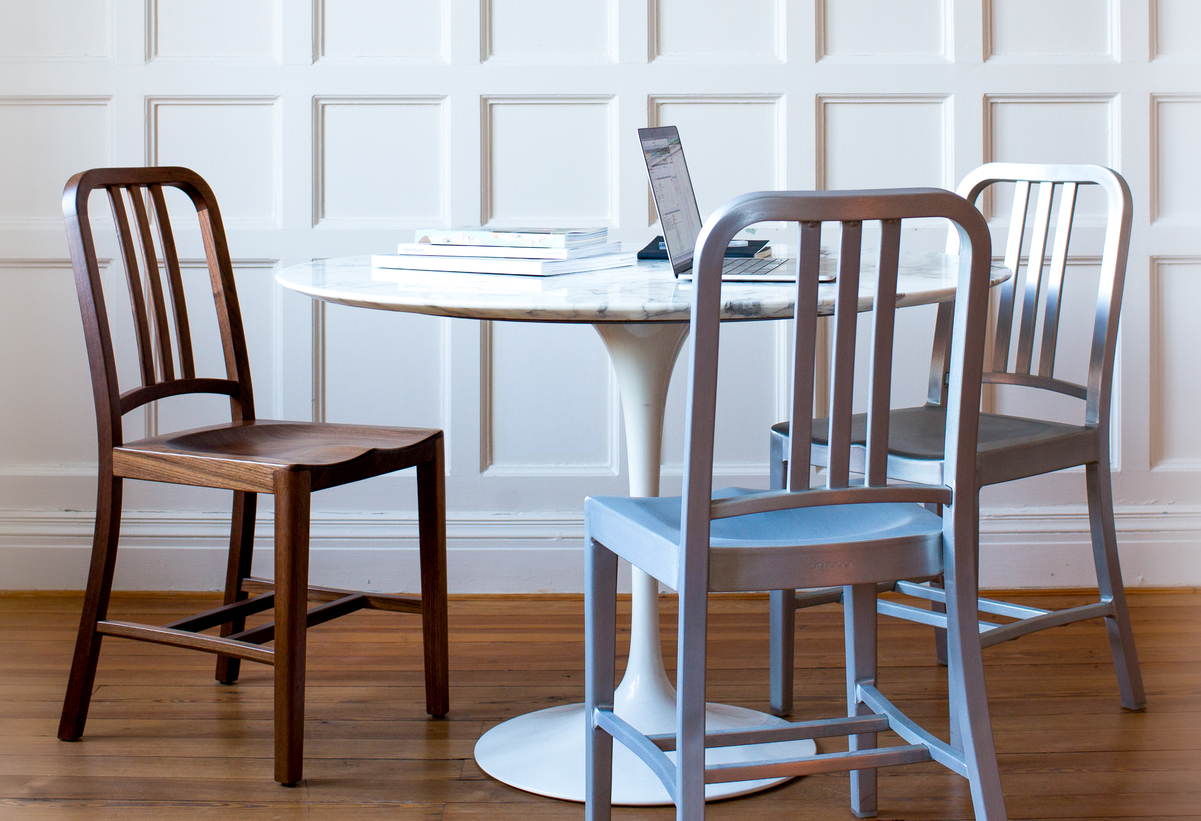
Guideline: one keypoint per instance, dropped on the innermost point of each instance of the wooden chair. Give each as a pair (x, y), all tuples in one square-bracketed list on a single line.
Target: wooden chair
[(1023, 353), (849, 533), (246, 455)]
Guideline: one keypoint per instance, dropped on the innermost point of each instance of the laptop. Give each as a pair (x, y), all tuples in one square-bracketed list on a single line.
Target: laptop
[(680, 218)]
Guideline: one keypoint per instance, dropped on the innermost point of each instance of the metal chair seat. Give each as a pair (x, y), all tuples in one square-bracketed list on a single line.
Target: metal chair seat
[(813, 545)]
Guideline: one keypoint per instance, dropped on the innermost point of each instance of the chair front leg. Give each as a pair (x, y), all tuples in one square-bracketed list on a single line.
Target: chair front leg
[(1109, 582), (292, 503), (859, 618), (600, 648), (431, 523), (95, 606), (241, 554), (781, 607)]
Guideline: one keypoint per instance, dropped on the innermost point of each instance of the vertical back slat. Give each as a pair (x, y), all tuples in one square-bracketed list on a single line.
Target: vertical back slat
[(880, 382), (136, 301), (1059, 261), (804, 343), (1034, 277), (162, 330), (179, 307), (842, 377), (1013, 256)]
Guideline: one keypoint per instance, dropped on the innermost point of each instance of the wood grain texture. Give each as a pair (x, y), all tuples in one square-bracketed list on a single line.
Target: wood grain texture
[(166, 742)]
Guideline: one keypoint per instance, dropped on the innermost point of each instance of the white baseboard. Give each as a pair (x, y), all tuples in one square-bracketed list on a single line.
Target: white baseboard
[(537, 553)]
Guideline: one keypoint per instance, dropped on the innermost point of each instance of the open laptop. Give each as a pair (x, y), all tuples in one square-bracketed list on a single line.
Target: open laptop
[(680, 218)]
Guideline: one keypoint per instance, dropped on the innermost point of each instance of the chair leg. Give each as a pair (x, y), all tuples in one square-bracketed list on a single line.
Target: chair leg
[(95, 607), (782, 629), (967, 696), (859, 616), (1109, 581), (241, 553), (781, 652), (600, 649), (690, 704), (292, 492), (431, 522)]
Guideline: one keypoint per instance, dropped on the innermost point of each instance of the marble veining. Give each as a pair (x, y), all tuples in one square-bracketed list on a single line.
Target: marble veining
[(646, 292)]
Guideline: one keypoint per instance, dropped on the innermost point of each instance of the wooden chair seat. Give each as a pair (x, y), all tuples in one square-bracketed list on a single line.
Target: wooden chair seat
[(246, 455)]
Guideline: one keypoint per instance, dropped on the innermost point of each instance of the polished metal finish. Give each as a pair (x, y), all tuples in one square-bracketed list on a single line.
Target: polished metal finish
[(1009, 447), (856, 534)]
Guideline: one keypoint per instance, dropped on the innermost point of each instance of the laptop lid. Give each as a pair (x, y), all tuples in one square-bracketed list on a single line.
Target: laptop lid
[(671, 187)]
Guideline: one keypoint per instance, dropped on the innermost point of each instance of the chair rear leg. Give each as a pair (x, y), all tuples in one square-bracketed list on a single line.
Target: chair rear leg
[(967, 696), (782, 608), (859, 617), (431, 516), (292, 502), (241, 554), (600, 648), (781, 650), (1109, 582), (95, 608)]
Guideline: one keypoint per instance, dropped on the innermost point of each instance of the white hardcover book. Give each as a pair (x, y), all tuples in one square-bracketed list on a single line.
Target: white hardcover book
[(514, 237), (486, 265), (506, 251)]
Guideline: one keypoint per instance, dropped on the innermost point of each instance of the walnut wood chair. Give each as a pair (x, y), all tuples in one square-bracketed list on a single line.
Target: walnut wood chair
[(1026, 339), (246, 455), (850, 533)]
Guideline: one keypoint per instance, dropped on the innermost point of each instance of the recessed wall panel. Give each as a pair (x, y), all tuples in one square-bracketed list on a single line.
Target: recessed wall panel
[(549, 28), (232, 142), (215, 28), (547, 408), (746, 401), (882, 143), (382, 368), (717, 29), (46, 140), (1176, 27), (1049, 28), (1176, 171), (368, 28), (55, 28), (47, 401), (732, 145), (882, 28), (1175, 340), (1050, 130), (380, 160), (548, 160)]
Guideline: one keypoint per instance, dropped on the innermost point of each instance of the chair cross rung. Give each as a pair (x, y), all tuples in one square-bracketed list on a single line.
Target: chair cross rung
[(317, 615), (394, 602), (811, 765), (188, 640), (822, 728), (224, 614)]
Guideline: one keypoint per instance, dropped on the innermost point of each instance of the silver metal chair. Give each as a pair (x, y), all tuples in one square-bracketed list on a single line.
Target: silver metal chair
[(1023, 353), (851, 533)]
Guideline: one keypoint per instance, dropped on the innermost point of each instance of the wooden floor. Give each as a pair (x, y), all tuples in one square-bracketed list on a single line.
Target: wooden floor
[(164, 741)]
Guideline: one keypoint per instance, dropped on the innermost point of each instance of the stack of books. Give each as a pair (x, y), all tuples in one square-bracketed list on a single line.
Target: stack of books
[(521, 251)]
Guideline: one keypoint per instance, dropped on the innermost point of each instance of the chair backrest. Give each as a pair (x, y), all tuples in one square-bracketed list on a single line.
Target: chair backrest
[(164, 337), (851, 208), (1032, 305)]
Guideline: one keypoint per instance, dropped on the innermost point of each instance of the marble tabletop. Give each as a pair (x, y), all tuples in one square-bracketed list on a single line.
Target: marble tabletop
[(646, 292)]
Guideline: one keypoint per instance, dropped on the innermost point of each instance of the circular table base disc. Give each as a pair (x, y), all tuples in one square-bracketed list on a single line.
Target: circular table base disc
[(543, 753)]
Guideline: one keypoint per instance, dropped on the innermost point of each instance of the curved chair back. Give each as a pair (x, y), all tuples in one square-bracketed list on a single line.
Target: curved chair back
[(851, 209), (160, 317), (1027, 326)]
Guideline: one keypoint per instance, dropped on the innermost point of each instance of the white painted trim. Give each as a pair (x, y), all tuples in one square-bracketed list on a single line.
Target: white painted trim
[(539, 552)]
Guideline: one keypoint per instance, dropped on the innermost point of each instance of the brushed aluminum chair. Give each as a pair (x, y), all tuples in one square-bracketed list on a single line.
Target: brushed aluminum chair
[(852, 533), (1026, 339)]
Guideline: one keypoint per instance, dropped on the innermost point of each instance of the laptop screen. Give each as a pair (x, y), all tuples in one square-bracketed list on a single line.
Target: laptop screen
[(671, 187)]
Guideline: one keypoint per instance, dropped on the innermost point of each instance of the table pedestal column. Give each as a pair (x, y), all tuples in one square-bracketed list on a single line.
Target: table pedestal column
[(543, 752)]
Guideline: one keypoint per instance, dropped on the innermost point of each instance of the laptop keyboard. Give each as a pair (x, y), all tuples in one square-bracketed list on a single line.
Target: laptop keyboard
[(750, 266)]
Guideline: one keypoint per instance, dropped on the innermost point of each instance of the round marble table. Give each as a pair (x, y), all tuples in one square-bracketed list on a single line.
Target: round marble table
[(641, 313)]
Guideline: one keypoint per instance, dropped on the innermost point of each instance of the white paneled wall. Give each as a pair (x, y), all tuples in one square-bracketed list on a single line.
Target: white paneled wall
[(334, 127)]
